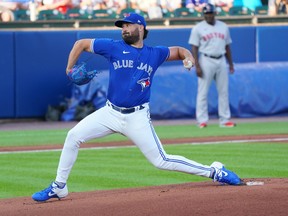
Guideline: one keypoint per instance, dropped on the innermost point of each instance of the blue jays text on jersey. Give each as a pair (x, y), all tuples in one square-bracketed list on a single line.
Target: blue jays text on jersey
[(130, 64), (131, 70)]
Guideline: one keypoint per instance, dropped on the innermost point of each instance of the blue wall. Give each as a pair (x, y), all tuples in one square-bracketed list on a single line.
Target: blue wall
[(40, 59), (272, 43), (254, 90), (33, 66), (7, 75)]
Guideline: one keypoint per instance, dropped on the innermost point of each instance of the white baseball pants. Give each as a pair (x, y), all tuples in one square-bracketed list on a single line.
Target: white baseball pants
[(213, 69), (137, 127)]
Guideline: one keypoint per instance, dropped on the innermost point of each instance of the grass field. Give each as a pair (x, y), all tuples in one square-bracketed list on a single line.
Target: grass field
[(44, 137), (23, 173)]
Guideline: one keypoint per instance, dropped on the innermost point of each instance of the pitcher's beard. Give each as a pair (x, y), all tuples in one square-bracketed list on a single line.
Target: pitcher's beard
[(130, 39)]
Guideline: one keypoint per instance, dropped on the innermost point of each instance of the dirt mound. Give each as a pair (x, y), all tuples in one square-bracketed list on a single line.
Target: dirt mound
[(205, 198)]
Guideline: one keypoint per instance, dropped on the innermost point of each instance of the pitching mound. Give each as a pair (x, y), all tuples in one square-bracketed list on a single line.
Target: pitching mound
[(205, 198)]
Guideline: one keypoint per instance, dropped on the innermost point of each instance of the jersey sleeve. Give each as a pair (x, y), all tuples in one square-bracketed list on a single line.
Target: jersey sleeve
[(164, 53), (194, 37), (102, 46)]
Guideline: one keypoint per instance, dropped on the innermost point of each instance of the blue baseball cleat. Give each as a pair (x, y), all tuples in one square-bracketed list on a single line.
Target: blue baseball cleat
[(53, 191), (224, 175)]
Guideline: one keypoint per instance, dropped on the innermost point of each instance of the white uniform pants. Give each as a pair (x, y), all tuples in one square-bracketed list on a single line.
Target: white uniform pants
[(213, 69), (137, 127)]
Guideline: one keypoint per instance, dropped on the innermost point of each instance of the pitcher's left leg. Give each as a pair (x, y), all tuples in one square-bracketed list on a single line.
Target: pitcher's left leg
[(145, 137)]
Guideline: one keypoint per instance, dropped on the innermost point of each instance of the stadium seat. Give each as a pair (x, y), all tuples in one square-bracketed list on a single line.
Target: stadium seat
[(104, 14), (76, 13), (21, 15), (261, 10), (167, 14), (50, 15), (240, 11), (221, 12), (186, 12)]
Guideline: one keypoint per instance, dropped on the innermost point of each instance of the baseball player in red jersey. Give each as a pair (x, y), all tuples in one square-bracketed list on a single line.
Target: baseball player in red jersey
[(211, 38), (132, 65)]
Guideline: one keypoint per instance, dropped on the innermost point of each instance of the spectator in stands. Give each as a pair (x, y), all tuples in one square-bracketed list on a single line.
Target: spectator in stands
[(61, 5), (158, 8), (150, 7), (116, 5), (272, 7), (224, 4), (7, 7), (6, 11), (196, 4), (170, 5), (154, 10), (276, 6), (163, 4), (282, 6), (91, 4), (251, 4), (94, 4), (143, 5)]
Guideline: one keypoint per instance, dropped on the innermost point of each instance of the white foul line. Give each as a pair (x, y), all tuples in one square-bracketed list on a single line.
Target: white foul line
[(133, 146), (239, 141)]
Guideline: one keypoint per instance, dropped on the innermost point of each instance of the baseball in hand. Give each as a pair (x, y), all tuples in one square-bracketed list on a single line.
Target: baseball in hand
[(188, 65)]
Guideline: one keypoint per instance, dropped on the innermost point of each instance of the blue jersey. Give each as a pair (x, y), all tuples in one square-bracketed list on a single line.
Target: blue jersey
[(131, 70)]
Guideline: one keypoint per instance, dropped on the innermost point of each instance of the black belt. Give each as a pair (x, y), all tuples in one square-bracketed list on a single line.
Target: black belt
[(214, 57), (124, 110)]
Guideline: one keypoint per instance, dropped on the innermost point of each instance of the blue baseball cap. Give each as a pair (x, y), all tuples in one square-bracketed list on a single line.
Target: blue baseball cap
[(133, 18)]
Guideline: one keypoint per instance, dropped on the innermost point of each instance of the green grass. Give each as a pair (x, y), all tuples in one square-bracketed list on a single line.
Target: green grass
[(99, 169), (51, 137)]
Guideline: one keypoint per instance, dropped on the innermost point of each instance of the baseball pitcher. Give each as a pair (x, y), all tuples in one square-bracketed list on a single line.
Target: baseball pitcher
[(132, 66)]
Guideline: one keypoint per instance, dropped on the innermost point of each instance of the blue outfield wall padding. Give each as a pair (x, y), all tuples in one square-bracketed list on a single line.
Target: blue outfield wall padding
[(40, 60), (272, 43), (254, 90), (33, 70), (173, 93), (259, 90), (7, 74)]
